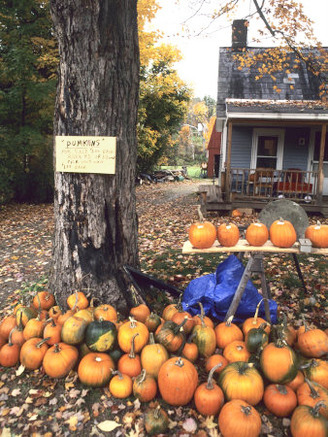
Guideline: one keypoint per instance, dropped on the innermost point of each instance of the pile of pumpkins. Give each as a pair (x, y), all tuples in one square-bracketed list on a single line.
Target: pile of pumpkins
[(203, 234), (147, 355)]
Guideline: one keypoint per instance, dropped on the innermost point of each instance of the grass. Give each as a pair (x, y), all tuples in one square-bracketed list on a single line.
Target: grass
[(193, 170)]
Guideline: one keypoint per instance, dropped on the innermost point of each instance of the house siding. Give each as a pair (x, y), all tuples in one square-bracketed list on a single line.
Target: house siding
[(241, 146), (296, 153)]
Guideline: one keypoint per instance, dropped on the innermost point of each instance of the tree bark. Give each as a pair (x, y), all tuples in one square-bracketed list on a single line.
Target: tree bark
[(97, 94)]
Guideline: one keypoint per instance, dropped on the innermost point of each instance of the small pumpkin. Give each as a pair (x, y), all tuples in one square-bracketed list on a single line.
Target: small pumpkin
[(126, 332), (32, 352), (171, 335), (310, 392), (205, 339), (282, 233), (256, 338), (130, 364), (318, 235), (208, 396), (77, 300), (73, 330), (100, 335), (153, 355), (26, 313), (316, 370), (201, 316), (190, 350), (227, 332), (228, 234), (257, 234), (44, 300), (95, 369), (236, 351), (52, 330), (255, 321), (239, 419), (156, 421), (279, 362), (140, 312), (297, 381), (144, 387), (105, 312), (120, 385), (60, 359), (216, 360), (177, 381), (307, 421), (241, 380), (169, 310), (280, 399), (8, 323), (34, 328), (179, 317), (313, 343), (153, 321), (17, 334), (202, 234), (9, 353)]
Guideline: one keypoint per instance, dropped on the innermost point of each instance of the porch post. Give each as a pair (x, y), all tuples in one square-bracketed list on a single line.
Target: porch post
[(228, 163), (320, 163)]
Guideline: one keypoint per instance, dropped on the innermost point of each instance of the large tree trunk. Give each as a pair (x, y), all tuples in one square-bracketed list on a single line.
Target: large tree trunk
[(95, 214)]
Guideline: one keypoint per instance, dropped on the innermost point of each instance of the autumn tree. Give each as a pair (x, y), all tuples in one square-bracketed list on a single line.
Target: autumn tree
[(163, 98), (98, 84), (28, 63)]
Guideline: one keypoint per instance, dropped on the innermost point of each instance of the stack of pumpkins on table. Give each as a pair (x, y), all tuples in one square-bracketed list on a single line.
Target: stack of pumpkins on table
[(203, 234), (222, 369)]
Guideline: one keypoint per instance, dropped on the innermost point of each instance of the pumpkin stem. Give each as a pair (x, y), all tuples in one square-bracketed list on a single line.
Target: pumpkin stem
[(306, 326), (210, 384), (140, 378), (246, 410), (180, 327), (282, 389), (256, 314), (10, 343), (151, 338), (314, 394), (117, 372), (133, 322), (201, 309), (76, 301), (57, 348), (156, 412), (132, 354), (179, 362), (316, 408), (229, 321), (20, 326)]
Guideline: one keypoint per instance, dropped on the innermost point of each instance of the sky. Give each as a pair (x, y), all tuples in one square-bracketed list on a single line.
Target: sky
[(199, 67)]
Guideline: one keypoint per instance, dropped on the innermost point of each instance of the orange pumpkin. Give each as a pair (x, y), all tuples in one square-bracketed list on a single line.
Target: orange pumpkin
[(227, 332), (228, 234), (140, 312), (144, 387), (279, 362), (127, 331), (318, 235), (9, 353), (105, 312), (130, 363), (177, 381), (307, 421), (310, 392), (282, 233), (44, 300), (216, 360), (202, 235), (317, 370), (60, 359), (239, 419), (95, 369), (236, 351), (279, 399), (208, 396), (120, 385), (257, 234), (77, 300), (32, 352), (313, 343)]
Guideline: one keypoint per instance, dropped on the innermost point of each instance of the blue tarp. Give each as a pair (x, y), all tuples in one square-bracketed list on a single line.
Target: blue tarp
[(216, 290)]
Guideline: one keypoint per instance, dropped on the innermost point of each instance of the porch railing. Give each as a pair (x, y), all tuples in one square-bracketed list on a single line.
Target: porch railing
[(267, 183)]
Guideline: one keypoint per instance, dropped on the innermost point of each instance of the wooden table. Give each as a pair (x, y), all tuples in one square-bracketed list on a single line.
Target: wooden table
[(254, 265)]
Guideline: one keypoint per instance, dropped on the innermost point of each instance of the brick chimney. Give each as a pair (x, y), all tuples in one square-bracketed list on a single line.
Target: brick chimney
[(239, 34)]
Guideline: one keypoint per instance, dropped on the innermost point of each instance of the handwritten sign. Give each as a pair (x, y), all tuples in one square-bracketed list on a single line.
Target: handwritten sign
[(77, 154)]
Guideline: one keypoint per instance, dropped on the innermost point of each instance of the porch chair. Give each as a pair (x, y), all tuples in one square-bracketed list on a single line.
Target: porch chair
[(264, 181)]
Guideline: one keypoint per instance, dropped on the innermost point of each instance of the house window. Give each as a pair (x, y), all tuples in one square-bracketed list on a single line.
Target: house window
[(267, 148)]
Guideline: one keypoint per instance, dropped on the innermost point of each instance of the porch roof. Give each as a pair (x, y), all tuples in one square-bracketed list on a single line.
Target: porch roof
[(312, 110)]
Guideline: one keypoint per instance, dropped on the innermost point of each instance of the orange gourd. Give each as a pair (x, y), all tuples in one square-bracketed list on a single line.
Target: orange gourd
[(208, 396), (202, 235), (7, 324), (257, 234), (316, 370), (105, 312), (120, 385), (44, 300), (239, 419), (177, 381), (313, 343), (32, 352), (144, 387), (130, 364), (9, 353), (95, 369), (318, 235), (279, 399), (306, 421), (227, 332), (52, 331), (236, 351), (228, 234), (60, 359), (140, 312), (310, 392), (153, 355), (282, 233), (127, 331), (216, 360), (77, 300)]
